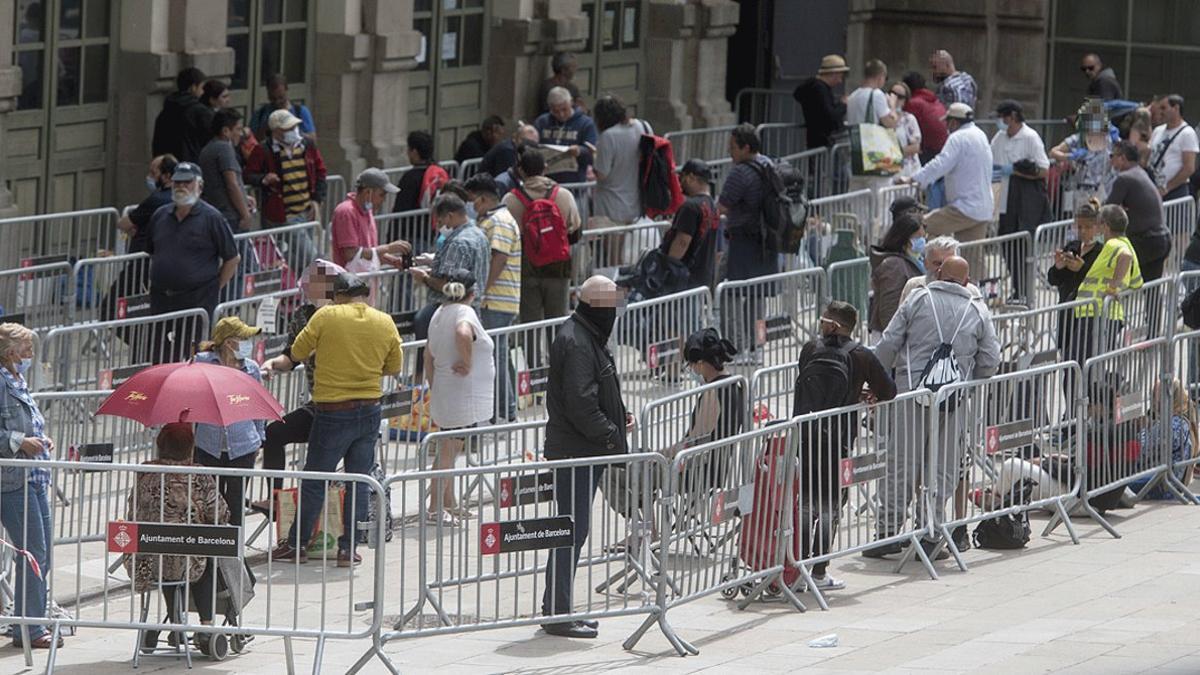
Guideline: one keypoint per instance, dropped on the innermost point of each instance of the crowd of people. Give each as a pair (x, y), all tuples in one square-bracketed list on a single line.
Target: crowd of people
[(497, 250)]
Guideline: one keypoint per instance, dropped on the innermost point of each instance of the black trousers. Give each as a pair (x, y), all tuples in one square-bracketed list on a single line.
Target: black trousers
[(293, 428), (574, 490), (232, 488), (200, 592)]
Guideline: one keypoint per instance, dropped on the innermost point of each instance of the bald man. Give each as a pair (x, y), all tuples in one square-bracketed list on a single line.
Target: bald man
[(953, 85), (586, 418), (943, 312)]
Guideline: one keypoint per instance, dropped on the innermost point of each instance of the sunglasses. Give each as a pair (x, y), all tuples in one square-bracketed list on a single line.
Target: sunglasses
[(1087, 69), (898, 94)]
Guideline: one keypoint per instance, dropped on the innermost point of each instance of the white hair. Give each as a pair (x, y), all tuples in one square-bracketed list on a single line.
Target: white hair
[(943, 243), (558, 95)]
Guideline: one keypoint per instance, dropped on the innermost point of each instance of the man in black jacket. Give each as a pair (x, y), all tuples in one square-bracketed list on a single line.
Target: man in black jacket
[(182, 128), (587, 418), (824, 111)]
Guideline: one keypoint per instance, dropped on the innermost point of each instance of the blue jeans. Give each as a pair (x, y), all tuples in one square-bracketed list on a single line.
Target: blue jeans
[(337, 435), (506, 407), (25, 513)]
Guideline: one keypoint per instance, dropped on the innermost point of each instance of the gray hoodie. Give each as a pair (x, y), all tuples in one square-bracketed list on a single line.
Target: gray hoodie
[(912, 335)]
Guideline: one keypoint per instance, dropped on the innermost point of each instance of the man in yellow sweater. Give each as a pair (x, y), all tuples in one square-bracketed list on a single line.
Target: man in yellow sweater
[(356, 346)]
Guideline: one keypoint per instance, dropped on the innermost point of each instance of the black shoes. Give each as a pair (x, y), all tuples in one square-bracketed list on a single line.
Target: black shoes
[(962, 542), (572, 629), (883, 550)]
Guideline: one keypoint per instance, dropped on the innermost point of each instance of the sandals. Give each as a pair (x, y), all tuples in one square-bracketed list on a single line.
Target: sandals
[(460, 512), (45, 641), (440, 518)]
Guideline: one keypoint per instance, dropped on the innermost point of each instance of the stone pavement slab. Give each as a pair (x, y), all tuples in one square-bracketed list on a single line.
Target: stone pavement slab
[(1105, 606)]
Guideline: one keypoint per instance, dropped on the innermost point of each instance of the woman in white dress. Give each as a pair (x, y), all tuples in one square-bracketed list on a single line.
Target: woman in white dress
[(461, 374), (908, 132)]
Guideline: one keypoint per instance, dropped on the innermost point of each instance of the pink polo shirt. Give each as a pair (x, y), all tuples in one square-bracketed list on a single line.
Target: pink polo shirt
[(353, 227)]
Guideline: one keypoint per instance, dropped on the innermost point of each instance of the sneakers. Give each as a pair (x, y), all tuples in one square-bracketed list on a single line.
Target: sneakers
[(930, 545), (285, 553), (828, 583), (344, 559), (962, 542)]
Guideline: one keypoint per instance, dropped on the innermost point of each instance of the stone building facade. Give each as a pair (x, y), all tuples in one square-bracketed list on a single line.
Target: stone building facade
[(82, 80)]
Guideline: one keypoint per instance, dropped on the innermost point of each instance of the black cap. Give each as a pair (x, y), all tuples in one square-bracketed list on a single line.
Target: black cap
[(696, 167), (1008, 107), (346, 283), (905, 203)]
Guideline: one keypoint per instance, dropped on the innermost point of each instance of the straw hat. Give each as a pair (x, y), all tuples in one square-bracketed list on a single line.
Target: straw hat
[(833, 63)]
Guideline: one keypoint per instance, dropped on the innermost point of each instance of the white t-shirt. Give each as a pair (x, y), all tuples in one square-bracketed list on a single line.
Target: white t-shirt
[(1006, 150), (460, 401), (1172, 161), (856, 106)]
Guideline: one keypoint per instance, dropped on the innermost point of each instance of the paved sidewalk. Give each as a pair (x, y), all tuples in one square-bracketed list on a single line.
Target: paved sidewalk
[(1106, 606)]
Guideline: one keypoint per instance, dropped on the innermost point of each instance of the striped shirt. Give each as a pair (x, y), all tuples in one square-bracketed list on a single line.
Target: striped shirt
[(504, 237), (293, 179), (958, 88)]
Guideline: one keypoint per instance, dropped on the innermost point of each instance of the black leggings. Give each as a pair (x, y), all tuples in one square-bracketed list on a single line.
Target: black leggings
[(232, 488), (293, 428)]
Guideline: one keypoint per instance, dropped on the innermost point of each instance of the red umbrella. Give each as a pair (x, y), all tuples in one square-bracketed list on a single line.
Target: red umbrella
[(191, 392)]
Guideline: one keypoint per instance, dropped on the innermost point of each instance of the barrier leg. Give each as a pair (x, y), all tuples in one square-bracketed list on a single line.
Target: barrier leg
[(320, 653), (916, 549), (1103, 522), (1061, 514), (811, 585), (289, 655), (25, 646), (50, 658), (375, 650), (1180, 490), (949, 541)]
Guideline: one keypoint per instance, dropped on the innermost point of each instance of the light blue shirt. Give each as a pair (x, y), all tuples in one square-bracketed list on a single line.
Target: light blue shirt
[(238, 439)]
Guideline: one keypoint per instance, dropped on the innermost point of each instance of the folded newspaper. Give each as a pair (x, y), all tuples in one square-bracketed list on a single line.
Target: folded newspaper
[(558, 158)]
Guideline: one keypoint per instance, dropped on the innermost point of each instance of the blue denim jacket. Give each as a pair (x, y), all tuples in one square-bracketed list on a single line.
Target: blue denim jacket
[(237, 439), (16, 422)]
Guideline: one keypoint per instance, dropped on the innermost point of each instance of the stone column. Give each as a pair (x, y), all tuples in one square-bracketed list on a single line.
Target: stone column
[(717, 22), (158, 38), (525, 34), (1001, 43), (10, 88), (364, 50), (686, 43)]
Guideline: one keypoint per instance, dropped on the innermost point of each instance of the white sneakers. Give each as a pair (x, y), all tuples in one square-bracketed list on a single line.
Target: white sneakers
[(828, 583)]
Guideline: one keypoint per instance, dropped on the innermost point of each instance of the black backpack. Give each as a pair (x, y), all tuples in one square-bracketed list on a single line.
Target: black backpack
[(824, 382), (784, 209), (1011, 531), (1190, 309)]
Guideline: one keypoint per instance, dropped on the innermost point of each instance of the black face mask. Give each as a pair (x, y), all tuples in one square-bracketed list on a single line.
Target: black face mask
[(602, 318)]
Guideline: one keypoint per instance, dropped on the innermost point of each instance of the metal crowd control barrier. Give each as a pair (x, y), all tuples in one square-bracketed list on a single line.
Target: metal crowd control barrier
[(813, 166), (469, 168), (1047, 334), (755, 105), (827, 216), (1119, 446), (647, 344), (415, 227), (104, 354), (606, 249), (512, 563), (850, 281), (1020, 433), (394, 173), (1002, 267), (783, 138), (1137, 315), (39, 297), (694, 417), (772, 394), (338, 604), (871, 477), (279, 256), (585, 198), (393, 291), (1047, 239), (720, 169), (57, 237), (839, 163), (1185, 359), (771, 317), (707, 143), (883, 205), (1179, 215), (117, 285)]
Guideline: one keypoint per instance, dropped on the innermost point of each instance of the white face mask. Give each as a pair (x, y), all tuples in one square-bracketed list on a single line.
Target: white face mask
[(184, 197), (245, 349), (24, 365), (292, 136)]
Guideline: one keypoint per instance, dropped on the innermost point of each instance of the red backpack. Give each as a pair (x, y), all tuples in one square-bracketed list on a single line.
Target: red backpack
[(544, 232), (658, 183)]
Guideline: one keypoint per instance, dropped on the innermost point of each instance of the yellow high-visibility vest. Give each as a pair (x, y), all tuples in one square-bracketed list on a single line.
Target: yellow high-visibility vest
[(1096, 281)]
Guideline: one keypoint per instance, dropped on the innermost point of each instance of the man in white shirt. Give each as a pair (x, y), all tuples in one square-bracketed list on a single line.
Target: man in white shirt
[(1019, 166), (869, 104), (1173, 147), (966, 163)]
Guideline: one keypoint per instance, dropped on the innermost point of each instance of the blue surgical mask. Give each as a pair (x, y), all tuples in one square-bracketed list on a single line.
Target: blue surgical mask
[(24, 365), (918, 246), (151, 185), (471, 214)]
